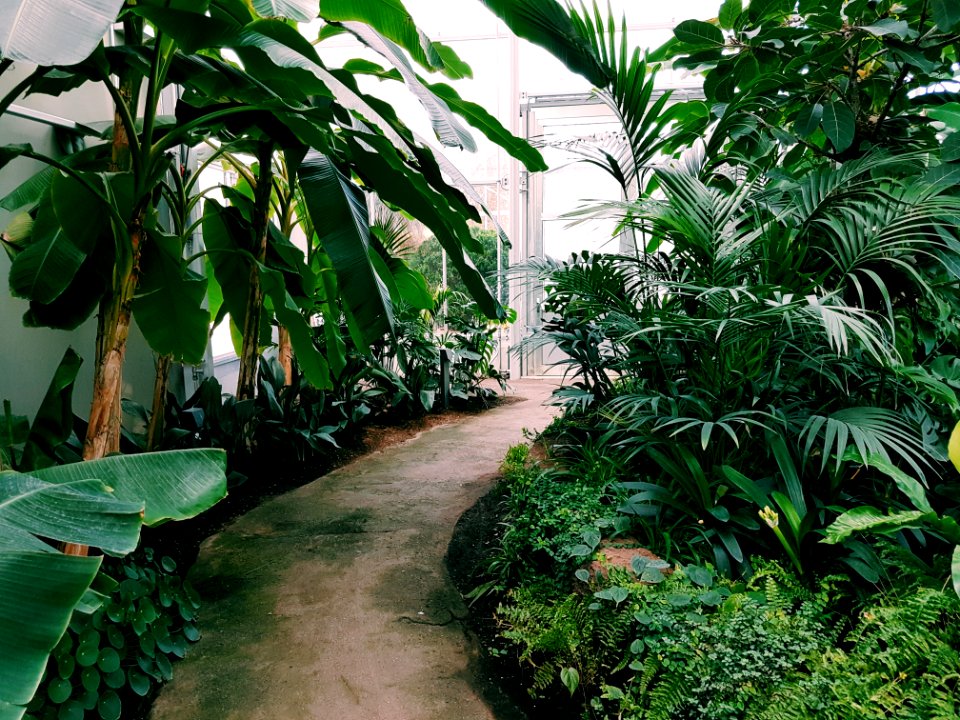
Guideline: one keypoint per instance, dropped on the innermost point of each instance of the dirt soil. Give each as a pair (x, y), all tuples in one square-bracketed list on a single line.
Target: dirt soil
[(332, 601)]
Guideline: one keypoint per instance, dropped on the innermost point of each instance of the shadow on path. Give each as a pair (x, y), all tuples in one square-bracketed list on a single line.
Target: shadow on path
[(332, 602)]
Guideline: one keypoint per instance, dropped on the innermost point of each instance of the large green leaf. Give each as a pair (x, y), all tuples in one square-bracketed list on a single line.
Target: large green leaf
[(546, 23), (40, 590), (327, 297), (486, 123), (168, 307), (391, 19), (44, 269), (288, 51), (299, 10), (946, 13), (449, 130), (41, 587), (311, 361), (79, 299), (908, 485), (78, 510), (172, 485), (54, 32), (339, 214), (699, 34), (869, 519), (229, 237), (948, 114), (53, 422), (101, 503), (381, 167), (839, 124)]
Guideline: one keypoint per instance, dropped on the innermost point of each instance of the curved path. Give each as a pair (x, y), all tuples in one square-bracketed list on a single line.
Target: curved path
[(332, 602)]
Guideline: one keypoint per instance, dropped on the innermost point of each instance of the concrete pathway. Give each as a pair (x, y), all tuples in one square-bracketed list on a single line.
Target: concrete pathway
[(332, 602)]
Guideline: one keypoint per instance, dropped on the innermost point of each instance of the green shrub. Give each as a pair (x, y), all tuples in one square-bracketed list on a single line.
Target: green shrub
[(110, 660), (548, 510), (901, 659)]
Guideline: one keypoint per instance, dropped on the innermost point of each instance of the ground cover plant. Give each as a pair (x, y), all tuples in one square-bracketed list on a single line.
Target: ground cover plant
[(761, 393)]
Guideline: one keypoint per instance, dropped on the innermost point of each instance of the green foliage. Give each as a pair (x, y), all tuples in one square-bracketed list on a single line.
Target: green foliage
[(900, 660), (756, 364), (548, 513), (688, 646), (111, 661), (825, 80), (428, 260), (557, 635), (27, 446)]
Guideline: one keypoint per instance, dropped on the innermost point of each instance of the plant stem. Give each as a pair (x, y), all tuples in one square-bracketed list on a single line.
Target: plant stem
[(155, 429), (246, 382)]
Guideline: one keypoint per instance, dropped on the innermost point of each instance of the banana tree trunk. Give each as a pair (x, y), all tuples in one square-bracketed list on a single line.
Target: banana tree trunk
[(285, 352), (113, 328), (250, 351), (155, 429), (113, 320), (284, 343)]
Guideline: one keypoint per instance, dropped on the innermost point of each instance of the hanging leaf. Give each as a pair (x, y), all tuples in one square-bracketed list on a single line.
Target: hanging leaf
[(229, 237), (168, 307), (946, 13), (546, 23), (449, 130), (312, 363), (54, 33), (839, 124), (808, 119), (699, 34), (391, 19), (298, 10), (338, 210), (486, 123), (378, 163), (570, 679), (49, 262), (53, 422)]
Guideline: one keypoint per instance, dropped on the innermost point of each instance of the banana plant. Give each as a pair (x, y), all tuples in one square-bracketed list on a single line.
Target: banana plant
[(100, 504), (122, 259)]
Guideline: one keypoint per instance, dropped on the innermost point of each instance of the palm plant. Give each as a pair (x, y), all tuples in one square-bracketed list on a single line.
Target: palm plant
[(750, 358)]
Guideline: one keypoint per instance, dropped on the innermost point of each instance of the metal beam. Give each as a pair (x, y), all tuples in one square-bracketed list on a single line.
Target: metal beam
[(44, 118)]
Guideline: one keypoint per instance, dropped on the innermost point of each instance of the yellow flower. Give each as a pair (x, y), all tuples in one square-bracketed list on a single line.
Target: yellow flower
[(771, 518)]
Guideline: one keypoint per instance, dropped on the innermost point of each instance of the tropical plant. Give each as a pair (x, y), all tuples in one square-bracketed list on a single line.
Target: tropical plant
[(24, 445), (112, 660), (761, 348), (823, 80), (428, 260), (131, 264), (99, 503), (921, 516)]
